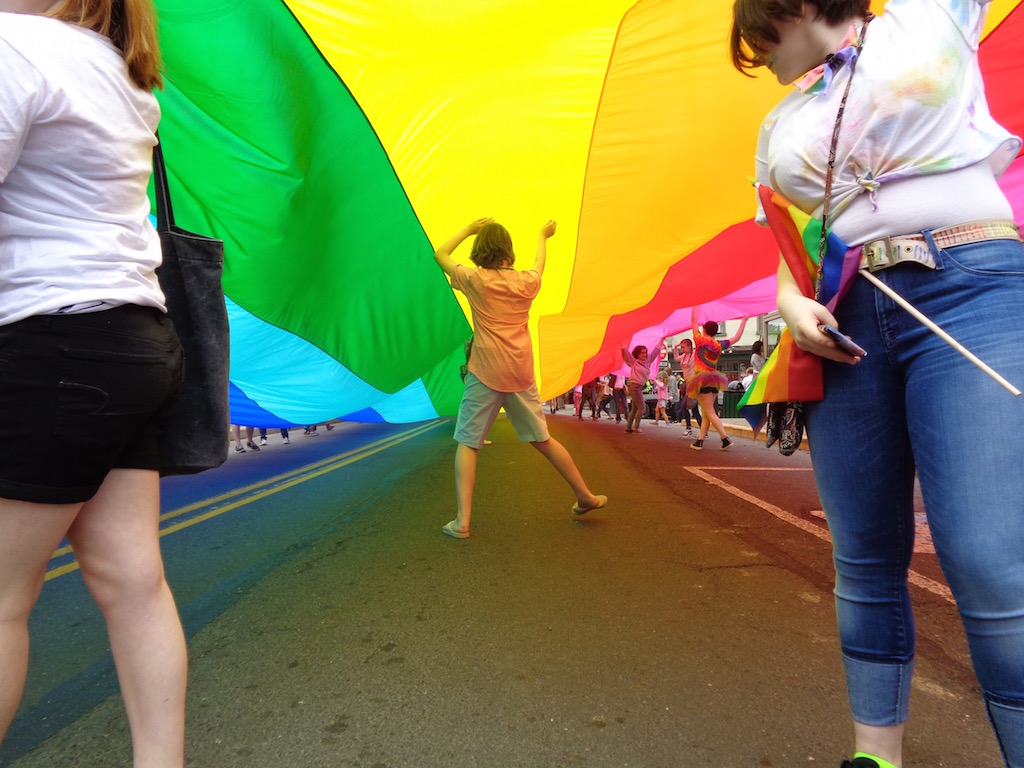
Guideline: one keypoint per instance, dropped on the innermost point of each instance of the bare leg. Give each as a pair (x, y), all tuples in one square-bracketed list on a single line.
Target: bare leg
[(29, 533), (116, 540), (560, 459), (885, 742), (236, 432), (711, 415), (704, 400), (465, 479), (707, 404)]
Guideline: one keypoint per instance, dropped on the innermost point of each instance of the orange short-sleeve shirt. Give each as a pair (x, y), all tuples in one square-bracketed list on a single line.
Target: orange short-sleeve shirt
[(500, 300)]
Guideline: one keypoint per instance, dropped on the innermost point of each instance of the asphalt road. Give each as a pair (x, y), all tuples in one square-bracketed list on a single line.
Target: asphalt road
[(330, 623)]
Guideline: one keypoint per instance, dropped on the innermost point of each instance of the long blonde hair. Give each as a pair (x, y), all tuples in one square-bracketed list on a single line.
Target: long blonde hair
[(130, 25)]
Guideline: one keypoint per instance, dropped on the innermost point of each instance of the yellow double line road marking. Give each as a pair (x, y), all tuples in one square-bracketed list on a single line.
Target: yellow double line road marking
[(208, 509)]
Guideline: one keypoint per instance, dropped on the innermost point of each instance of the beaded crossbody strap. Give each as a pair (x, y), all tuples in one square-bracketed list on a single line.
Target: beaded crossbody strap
[(832, 156)]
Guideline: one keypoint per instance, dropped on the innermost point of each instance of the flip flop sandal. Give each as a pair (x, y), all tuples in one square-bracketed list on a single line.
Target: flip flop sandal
[(449, 530), (578, 510)]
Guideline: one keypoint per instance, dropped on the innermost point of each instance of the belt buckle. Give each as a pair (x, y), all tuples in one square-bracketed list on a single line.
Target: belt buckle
[(879, 254)]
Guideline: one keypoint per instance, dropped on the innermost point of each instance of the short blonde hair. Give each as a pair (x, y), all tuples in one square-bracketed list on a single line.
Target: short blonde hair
[(492, 247), (130, 25)]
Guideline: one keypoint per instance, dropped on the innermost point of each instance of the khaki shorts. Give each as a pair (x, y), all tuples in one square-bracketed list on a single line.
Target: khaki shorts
[(481, 404)]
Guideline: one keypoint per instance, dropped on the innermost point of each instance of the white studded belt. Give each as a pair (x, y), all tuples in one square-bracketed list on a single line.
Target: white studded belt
[(887, 251)]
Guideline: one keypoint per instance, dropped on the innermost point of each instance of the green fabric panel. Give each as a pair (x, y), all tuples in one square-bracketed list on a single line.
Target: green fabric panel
[(811, 237), (444, 384), (267, 149)]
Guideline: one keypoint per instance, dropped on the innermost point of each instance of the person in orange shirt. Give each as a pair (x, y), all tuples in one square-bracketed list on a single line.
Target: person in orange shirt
[(501, 366)]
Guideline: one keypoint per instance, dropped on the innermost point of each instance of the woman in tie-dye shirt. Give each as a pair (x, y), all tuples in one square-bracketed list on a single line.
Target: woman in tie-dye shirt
[(917, 153)]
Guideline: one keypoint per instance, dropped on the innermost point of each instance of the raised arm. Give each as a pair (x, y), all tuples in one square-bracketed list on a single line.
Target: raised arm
[(693, 321), (542, 246), (626, 356), (443, 255), (656, 353), (736, 336)]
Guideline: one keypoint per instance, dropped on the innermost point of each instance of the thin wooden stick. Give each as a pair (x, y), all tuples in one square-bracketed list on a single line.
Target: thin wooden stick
[(938, 331)]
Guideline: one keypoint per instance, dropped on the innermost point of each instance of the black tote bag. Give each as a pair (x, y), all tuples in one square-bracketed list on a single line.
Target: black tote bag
[(190, 276)]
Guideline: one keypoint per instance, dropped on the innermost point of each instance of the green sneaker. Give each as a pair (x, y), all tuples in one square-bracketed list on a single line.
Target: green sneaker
[(861, 760)]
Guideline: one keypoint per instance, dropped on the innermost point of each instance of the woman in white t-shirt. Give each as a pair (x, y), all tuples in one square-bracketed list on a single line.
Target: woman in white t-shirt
[(89, 364), (914, 159), (757, 356)]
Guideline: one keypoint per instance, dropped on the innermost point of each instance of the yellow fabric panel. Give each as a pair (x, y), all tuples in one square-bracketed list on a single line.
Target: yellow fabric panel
[(485, 107), (672, 151), (502, 108)]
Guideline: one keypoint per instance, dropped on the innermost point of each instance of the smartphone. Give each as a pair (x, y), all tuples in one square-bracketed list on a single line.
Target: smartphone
[(843, 341)]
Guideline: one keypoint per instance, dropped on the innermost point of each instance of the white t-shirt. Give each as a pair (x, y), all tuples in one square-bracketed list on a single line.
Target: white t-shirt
[(76, 139), (916, 112)]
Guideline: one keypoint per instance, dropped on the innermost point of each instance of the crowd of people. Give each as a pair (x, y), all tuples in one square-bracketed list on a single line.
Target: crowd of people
[(667, 397), (310, 430)]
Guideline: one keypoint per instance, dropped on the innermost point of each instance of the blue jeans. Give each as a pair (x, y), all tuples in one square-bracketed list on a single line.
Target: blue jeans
[(914, 403), (621, 409)]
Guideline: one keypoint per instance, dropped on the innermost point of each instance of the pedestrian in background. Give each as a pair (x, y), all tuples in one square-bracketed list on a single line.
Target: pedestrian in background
[(236, 432), (587, 397), (683, 353), (757, 356), (673, 397), (604, 396), (619, 397), (639, 373), (707, 381), (661, 405)]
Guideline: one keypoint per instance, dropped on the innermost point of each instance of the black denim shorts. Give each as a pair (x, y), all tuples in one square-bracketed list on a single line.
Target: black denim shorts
[(81, 395)]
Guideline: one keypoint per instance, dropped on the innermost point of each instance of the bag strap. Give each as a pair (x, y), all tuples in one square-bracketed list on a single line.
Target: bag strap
[(164, 211), (832, 155)]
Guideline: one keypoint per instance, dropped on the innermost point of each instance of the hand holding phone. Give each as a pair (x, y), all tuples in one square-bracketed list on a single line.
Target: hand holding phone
[(843, 341)]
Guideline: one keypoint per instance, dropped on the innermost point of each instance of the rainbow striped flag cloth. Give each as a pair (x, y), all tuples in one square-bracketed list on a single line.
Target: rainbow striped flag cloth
[(790, 373)]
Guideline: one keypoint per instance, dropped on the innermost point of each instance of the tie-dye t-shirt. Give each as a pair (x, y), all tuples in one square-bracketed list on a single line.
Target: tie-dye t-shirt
[(706, 352), (917, 106)]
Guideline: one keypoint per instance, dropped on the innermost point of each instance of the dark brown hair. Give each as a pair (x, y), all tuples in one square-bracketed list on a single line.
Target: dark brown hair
[(492, 247), (753, 24), (130, 25)]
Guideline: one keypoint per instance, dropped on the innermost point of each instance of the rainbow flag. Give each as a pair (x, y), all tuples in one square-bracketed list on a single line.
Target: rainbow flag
[(331, 145), (791, 373)]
